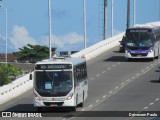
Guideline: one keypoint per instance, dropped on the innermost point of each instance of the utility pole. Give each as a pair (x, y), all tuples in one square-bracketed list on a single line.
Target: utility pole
[(49, 24), (84, 21), (134, 14), (128, 13), (159, 9), (105, 19), (112, 19), (6, 36)]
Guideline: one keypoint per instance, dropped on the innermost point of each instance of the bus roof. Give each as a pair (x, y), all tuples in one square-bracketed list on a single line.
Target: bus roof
[(59, 60), (150, 25)]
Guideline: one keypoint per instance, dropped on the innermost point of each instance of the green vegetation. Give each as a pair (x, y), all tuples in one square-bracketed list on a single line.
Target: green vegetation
[(32, 53), (8, 73)]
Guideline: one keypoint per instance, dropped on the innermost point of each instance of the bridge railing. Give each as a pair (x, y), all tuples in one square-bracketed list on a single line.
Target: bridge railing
[(97, 49)]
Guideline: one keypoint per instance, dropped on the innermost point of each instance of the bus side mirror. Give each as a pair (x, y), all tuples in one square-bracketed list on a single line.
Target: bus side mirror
[(30, 77)]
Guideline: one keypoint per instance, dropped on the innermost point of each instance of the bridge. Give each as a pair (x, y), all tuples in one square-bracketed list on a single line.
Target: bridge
[(114, 85), (118, 89)]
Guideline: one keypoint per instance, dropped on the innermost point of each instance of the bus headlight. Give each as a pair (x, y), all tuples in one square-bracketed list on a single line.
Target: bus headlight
[(127, 51), (150, 51), (37, 97), (70, 96)]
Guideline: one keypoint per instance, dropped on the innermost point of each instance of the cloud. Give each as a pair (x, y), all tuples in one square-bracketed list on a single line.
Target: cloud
[(69, 39), (20, 37)]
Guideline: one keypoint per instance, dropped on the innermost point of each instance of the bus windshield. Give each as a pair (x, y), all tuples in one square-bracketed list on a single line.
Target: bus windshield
[(137, 40), (53, 83)]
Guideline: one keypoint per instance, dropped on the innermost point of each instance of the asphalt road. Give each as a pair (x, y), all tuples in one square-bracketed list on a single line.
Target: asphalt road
[(114, 85)]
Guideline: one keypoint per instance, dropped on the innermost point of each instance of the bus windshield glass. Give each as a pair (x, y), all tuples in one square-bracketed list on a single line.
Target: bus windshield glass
[(135, 40), (53, 83)]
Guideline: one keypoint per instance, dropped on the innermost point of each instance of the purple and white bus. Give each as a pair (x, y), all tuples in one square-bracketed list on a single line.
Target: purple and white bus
[(143, 41)]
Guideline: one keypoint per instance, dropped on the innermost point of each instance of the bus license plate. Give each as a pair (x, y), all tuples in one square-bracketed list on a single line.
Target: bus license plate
[(53, 105), (139, 55)]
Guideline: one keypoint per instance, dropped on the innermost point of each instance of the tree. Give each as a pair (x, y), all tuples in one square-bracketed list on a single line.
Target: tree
[(32, 53), (8, 73)]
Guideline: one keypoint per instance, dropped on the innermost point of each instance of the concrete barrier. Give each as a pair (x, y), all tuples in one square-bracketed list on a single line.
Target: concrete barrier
[(15, 88), (97, 49)]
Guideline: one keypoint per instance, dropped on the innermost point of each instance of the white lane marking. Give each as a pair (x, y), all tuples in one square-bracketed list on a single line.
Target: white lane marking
[(117, 87), (83, 110), (104, 96), (151, 104), (110, 92), (114, 65), (133, 77), (122, 83), (97, 75), (91, 78), (137, 74), (128, 80), (109, 68), (90, 106), (145, 108), (142, 70), (157, 99), (151, 64), (103, 71), (147, 67), (97, 101)]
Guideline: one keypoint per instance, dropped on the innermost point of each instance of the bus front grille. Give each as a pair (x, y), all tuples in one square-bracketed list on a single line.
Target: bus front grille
[(53, 103), (142, 54)]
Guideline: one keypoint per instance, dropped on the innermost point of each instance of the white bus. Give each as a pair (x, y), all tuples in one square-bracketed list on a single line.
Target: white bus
[(143, 41), (60, 83)]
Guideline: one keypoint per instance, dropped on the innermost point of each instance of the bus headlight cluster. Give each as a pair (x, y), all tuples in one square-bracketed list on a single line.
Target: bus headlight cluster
[(37, 97), (150, 51), (127, 51), (70, 96)]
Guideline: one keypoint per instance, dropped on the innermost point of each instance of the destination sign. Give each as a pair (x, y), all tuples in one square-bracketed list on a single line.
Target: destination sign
[(53, 66), (138, 30)]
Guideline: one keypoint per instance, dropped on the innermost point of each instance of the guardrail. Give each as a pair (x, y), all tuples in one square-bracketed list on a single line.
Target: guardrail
[(15, 88), (97, 49)]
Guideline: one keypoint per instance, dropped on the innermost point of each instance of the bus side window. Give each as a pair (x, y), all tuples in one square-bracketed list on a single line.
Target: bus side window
[(75, 77)]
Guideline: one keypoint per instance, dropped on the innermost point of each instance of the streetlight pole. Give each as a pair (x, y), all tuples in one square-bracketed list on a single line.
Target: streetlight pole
[(134, 14), (112, 20), (128, 13), (6, 36), (49, 24), (84, 17), (159, 9), (105, 19)]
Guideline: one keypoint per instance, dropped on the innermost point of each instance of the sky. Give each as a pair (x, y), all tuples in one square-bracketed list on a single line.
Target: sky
[(28, 21)]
